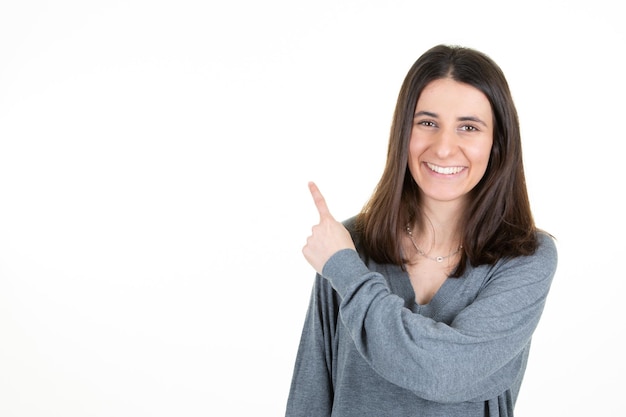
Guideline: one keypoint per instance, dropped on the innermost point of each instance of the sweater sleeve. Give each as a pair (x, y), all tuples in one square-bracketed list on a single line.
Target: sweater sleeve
[(476, 357), (311, 393)]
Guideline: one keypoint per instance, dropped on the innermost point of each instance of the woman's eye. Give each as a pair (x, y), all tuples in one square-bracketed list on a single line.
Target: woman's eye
[(469, 128), (427, 123)]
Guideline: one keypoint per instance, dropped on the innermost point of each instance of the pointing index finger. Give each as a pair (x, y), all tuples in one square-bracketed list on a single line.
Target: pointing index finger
[(319, 201)]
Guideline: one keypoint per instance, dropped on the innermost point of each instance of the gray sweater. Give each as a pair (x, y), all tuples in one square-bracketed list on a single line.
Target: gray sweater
[(367, 349)]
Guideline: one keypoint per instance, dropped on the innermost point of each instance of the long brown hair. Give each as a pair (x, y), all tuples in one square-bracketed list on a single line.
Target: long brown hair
[(497, 222)]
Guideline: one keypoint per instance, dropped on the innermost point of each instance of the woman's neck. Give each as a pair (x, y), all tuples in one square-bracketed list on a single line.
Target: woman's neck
[(438, 229)]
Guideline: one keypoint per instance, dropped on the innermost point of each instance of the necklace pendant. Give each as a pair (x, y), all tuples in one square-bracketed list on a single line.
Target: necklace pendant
[(439, 258)]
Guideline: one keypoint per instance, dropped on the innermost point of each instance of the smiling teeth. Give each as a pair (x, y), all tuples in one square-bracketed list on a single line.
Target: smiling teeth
[(445, 170)]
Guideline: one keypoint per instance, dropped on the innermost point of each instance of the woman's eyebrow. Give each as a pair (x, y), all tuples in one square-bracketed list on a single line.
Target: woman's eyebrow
[(472, 119), (425, 113)]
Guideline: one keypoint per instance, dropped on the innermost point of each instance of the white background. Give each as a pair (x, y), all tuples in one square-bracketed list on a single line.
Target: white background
[(154, 157)]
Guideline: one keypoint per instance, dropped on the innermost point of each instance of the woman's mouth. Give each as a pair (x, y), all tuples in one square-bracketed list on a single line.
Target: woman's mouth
[(444, 170)]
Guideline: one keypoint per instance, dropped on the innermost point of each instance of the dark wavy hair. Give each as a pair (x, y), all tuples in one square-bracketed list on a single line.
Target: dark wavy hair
[(497, 221)]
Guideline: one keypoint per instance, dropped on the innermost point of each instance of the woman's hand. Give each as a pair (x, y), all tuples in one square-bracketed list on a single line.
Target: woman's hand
[(328, 236)]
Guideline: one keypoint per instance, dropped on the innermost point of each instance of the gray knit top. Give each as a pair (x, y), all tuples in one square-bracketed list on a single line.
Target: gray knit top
[(367, 348)]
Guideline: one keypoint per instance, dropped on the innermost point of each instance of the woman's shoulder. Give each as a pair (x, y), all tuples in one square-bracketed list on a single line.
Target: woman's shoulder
[(350, 223), (546, 246), (544, 258)]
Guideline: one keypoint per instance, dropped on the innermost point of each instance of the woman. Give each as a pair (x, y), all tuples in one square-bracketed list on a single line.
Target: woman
[(425, 302)]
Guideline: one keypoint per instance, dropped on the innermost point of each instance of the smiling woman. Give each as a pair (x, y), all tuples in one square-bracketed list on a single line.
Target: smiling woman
[(425, 303), (450, 141)]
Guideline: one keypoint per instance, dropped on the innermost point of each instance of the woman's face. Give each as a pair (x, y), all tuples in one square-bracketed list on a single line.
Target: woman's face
[(451, 140)]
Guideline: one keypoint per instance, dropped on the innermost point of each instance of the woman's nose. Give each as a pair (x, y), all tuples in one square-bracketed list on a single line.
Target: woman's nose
[(445, 143)]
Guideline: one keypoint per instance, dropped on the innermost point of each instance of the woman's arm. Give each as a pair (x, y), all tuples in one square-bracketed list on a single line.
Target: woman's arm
[(476, 357)]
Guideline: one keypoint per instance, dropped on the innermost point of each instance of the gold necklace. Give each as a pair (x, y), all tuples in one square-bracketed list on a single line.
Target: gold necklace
[(422, 253)]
